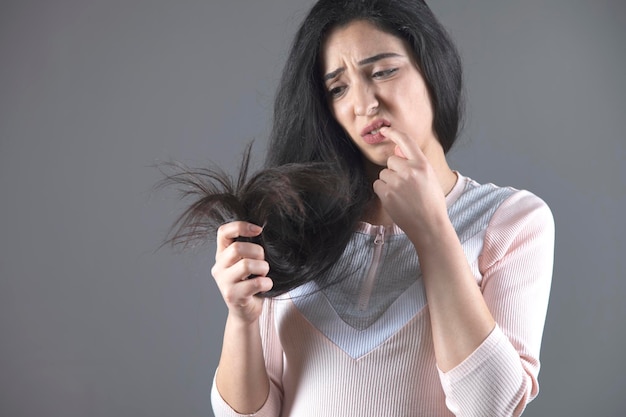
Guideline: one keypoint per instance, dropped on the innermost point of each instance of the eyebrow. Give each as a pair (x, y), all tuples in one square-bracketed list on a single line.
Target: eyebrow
[(365, 61)]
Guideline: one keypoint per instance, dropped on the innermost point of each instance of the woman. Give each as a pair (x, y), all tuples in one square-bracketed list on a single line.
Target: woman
[(436, 302)]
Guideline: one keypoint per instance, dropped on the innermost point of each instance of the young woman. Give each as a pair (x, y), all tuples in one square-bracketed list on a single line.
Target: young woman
[(431, 290)]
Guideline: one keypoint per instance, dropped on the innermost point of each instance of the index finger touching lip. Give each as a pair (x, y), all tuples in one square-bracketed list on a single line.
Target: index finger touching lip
[(228, 232), (405, 146)]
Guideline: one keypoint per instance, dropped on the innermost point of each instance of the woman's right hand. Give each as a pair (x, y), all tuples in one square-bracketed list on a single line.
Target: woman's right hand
[(235, 262)]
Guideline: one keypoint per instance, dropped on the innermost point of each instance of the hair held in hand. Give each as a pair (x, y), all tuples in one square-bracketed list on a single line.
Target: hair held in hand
[(306, 211)]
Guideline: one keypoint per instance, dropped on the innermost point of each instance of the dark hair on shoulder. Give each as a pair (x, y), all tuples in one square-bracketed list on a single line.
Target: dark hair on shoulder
[(313, 188)]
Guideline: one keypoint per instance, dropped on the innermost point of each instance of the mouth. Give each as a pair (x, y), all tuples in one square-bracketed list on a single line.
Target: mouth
[(371, 133), (374, 128)]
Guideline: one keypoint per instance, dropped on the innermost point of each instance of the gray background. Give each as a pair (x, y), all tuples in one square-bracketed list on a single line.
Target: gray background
[(94, 321)]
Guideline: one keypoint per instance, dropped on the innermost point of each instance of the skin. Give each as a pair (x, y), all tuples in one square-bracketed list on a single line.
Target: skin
[(370, 75), (241, 376), (390, 88), (410, 158)]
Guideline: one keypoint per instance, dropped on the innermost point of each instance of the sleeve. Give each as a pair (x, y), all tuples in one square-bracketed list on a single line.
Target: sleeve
[(500, 377), (273, 353)]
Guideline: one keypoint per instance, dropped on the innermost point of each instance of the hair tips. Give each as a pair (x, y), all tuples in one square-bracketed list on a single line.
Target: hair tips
[(301, 206)]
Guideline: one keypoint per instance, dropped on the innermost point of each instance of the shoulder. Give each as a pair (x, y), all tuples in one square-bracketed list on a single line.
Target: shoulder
[(519, 222), (474, 208), (508, 205), (521, 210)]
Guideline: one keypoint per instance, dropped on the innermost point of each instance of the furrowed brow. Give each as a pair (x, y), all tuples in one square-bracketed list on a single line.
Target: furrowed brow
[(365, 61), (378, 57), (333, 74)]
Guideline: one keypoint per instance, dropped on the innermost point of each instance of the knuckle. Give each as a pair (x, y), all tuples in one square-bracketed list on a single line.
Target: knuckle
[(236, 248), (230, 297), (255, 284), (247, 264), (264, 268), (260, 251), (222, 229), (260, 285), (226, 230)]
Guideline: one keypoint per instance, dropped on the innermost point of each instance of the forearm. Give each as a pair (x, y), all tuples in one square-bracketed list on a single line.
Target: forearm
[(241, 378), (515, 264), (460, 319)]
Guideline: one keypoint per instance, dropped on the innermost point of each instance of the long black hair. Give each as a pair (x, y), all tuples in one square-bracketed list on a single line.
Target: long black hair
[(304, 129), (313, 188)]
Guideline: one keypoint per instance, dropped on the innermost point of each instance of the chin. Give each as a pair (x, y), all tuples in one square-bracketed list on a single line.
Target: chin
[(375, 161), (380, 159), (378, 156)]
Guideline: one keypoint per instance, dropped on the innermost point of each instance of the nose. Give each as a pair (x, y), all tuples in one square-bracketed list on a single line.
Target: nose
[(365, 101)]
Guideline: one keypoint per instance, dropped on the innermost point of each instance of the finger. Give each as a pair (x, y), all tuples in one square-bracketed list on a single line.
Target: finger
[(258, 285), (234, 253), (227, 233), (387, 176), (405, 147), (388, 182), (242, 270), (380, 188), (398, 164), (240, 250), (245, 268), (240, 294)]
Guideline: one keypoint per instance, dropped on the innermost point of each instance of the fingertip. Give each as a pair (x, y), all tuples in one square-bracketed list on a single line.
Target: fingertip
[(385, 131), (253, 228), (389, 132), (265, 284)]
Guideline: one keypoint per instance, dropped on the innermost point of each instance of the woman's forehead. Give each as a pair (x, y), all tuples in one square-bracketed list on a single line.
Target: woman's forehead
[(357, 41)]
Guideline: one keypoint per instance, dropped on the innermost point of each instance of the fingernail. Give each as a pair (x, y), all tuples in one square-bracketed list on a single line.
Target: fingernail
[(254, 228)]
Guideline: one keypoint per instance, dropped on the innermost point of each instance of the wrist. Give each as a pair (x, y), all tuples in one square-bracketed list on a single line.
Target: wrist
[(433, 234), (240, 324)]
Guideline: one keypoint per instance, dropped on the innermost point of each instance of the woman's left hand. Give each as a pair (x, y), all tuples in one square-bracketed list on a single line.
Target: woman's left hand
[(409, 189)]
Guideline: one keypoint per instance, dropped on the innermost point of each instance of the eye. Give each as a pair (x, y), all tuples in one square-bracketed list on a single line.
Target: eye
[(336, 91), (384, 73)]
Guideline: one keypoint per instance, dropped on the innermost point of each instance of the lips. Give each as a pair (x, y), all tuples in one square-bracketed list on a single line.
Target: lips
[(371, 133)]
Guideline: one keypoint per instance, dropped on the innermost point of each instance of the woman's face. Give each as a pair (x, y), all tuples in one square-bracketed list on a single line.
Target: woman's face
[(372, 80)]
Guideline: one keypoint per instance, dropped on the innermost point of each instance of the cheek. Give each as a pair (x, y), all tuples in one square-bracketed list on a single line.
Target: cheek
[(340, 112), (416, 107)]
